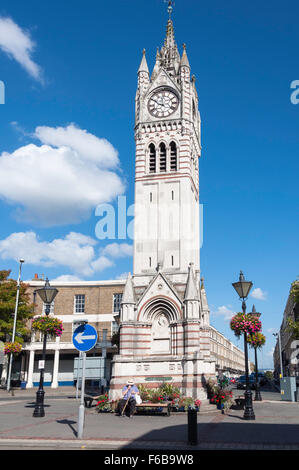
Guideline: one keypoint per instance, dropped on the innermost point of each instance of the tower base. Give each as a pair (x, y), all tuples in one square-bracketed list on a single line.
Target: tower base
[(189, 373)]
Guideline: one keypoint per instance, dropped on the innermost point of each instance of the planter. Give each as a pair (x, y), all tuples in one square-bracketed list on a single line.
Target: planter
[(220, 406)]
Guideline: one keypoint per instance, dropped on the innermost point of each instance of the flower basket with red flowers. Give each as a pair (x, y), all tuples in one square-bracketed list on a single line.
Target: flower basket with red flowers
[(13, 348), (245, 323), (104, 405), (223, 399), (47, 325)]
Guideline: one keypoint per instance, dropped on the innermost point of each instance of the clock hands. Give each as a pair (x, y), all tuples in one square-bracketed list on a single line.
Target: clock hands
[(162, 103)]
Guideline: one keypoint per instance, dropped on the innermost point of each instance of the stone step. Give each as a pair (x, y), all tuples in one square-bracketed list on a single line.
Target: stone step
[(208, 409)]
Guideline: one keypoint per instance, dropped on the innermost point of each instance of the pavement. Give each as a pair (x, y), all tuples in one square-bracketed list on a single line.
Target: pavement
[(276, 426)]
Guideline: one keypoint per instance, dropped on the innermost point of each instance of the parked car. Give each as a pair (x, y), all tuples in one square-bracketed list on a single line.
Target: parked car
[(261, 378), (241, 383)]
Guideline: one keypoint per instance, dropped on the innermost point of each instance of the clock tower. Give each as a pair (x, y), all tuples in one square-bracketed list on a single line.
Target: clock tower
[(168, 145), (164, 318)]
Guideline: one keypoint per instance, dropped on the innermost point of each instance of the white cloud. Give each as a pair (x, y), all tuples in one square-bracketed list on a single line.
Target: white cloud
[(116, 250), (272, 330), (75, 251), (18, 44), (66, 278), (259, 294), (87, 145), (122, 276), (61, 183), (224, 311), (270, 353)]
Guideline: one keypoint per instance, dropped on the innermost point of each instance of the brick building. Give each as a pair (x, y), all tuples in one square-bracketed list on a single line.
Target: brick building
[(96, 302)]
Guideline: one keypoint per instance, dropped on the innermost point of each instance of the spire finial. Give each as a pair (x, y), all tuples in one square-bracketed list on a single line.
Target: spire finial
[(170, 7)]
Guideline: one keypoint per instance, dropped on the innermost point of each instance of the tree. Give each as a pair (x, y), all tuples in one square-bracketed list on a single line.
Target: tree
[(8, 292)]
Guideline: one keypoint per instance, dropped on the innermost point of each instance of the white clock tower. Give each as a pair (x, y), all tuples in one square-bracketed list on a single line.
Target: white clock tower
[(164, 318), (167, 134)]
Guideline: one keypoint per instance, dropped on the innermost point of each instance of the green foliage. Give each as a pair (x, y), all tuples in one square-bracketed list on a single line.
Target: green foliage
[(168, 390), (295, 291), (8, 292), (144, 392), (269, 375), (293, 328)]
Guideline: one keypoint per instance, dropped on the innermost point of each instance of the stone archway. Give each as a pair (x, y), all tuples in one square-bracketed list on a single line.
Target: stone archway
[(161, 334), (162, 314)]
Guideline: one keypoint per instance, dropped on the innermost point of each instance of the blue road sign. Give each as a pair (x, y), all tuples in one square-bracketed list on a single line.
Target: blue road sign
[(85, 337)]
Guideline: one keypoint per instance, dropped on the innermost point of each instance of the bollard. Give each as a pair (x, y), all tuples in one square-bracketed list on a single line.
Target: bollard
[(192, 427)]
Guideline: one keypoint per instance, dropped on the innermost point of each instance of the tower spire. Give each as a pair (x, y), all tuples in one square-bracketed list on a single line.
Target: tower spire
[(169, 53), (170, 7)]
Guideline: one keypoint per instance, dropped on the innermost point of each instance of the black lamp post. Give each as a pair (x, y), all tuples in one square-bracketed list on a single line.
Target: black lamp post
[(47, 294), (243, 288), (258, 396)]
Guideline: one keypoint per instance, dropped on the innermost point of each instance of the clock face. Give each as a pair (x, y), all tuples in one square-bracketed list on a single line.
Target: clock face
[(163, 103)]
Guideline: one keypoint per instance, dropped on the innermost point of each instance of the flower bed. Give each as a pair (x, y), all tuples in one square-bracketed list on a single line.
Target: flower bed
[(167, 393), (48, 325), (104, 405), (245, 323)]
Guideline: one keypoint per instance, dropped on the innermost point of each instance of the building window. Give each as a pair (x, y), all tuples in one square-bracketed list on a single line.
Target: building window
[(117, 298), (114, 328), (162, 157), (152, 158), (79, 303), (173, 157)]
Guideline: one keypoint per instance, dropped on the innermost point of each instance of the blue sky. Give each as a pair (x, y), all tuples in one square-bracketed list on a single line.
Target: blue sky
[(70, 75)]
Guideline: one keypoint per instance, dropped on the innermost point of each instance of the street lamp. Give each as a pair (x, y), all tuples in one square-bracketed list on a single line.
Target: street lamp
[(14, 324), (243, 287), (277, 335), (258, 396), (47, 294)]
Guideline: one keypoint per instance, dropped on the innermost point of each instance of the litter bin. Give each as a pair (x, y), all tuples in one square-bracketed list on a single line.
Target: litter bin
[(23, 385)]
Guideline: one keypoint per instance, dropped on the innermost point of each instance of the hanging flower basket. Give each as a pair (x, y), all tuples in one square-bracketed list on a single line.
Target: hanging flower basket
[(245, 323), (256, 340), (13, 348), (48, 325)]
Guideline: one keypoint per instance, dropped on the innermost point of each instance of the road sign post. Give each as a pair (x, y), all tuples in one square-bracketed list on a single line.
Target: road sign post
[(84, 339), (81, 414)]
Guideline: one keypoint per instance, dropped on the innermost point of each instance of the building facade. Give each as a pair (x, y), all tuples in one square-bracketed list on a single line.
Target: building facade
[(288, 360), (97, 302)]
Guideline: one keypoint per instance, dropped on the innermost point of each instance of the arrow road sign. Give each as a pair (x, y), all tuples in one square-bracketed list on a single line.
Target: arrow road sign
[(85, 337)]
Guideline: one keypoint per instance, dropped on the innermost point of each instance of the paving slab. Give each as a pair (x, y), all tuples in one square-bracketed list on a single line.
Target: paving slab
[(276, 426)]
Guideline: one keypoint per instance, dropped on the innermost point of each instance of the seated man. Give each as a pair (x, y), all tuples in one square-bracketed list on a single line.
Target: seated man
[(128, 402)]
